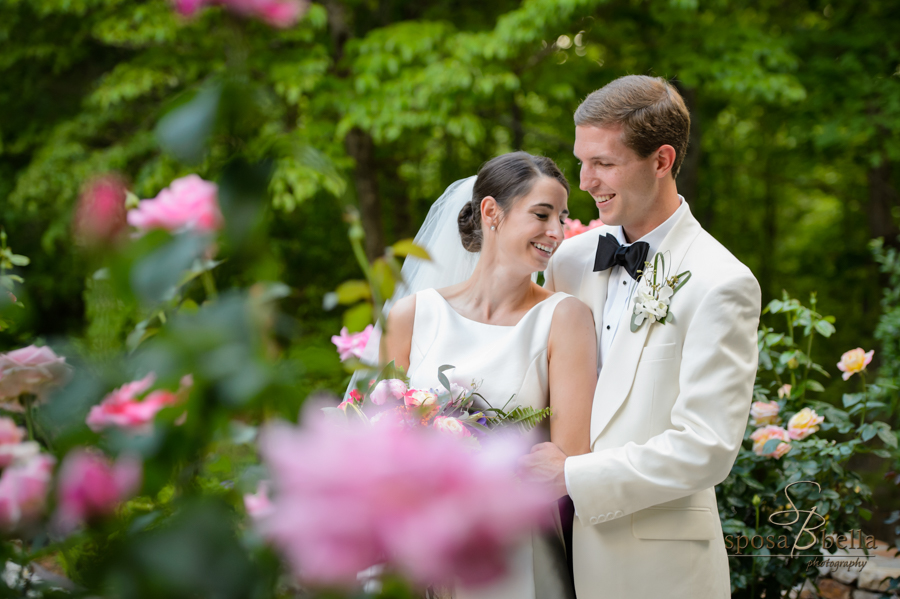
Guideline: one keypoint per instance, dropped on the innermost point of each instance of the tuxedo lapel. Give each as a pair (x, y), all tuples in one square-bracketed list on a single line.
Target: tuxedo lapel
[(617, 374)]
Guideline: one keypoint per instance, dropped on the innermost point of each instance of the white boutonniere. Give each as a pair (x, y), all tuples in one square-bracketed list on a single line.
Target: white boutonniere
[(654, 293)]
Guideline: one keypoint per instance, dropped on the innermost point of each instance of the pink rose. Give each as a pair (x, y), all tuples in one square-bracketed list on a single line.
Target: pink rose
[(425, 403), (448, 424), (12, 449), (31, 370), (189, 203), (764, 412), (23, 491), (804, 423), (573, 227), (382, 495), (854, 361), (188, 7), (259, 505), (100, 216), (90, 487), (351, 345), (124, 410), (388, 390), (392, 418), (277, 13), (762, 435)]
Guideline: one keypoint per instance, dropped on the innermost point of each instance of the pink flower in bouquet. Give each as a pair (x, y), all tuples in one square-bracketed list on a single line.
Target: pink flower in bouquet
[(804, 423), (392, 418), (12, 448), (375, 495), (448, 424), (764, 412), (31, 370), (762, 435), (259, 505), (388, 390), (854, 361), (424, 402), (90, 487), (100, 216), (351, 345), (573, 227), (189, 203), (123, 409), (23, 491)]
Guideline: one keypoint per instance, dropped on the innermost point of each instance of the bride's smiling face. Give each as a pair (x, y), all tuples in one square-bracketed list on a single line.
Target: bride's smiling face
[(530, 231)]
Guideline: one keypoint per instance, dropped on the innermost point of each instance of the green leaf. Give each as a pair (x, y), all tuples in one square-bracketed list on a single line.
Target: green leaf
[(19, 260), (825, 328), (864, 513), (867, 431), (358, 317), (814, 386), (770, 446), (443, 377), (406, 247), (851, 399), (889, 438), (184, 130), (330, 301), (350, 292)]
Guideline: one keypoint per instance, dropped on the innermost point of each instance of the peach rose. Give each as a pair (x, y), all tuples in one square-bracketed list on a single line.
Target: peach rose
[(31, 370), (426, 402), (764, 412), (804, 423), (448, 424), (762, 435), (854, 361), (784, 391)]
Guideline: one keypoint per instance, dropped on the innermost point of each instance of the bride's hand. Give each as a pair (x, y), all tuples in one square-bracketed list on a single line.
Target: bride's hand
[(545, 465)]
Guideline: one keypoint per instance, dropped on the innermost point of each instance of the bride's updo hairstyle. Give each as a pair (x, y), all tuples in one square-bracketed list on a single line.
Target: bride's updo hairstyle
[(505, 178)]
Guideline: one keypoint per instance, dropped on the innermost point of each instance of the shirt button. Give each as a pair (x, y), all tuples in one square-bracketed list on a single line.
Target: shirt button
[(624, 282), (607, 327)]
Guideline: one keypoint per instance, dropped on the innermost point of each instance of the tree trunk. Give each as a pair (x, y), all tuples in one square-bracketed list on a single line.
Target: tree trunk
[(882, 198), (360, 147), (688, 177)]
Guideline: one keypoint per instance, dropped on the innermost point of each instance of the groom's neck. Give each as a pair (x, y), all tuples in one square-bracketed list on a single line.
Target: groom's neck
[(657, 213)]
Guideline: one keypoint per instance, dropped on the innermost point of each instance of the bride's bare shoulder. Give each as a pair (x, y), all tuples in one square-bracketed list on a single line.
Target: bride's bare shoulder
[(403, 312)]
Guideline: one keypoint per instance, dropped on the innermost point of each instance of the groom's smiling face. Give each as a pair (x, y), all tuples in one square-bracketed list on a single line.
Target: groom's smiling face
[(624, 185)]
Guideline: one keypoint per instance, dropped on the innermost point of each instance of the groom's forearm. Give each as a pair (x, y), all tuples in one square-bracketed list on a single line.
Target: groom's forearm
[(708, 418)]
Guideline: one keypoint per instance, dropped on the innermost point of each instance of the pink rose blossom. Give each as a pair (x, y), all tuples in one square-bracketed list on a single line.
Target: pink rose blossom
[(188, 7), (277, 13), (31, 370), (124, 410), (259, 505), (23, 491), (425, 403), (388, 390), (573, 227), (448, 424), (764, 412), (392, 418), (420, 502), (90, 487), (804, 423), (12, 449), (100, 216), (189, 203), (854, 361), (762, 435), (351, 345)]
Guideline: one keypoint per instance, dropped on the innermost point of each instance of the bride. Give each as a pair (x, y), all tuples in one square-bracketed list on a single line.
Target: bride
[(487, 236)]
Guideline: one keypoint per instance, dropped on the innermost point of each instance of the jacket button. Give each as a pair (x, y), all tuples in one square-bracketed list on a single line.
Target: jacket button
[(601, 518), (594, 520), (619, 514)]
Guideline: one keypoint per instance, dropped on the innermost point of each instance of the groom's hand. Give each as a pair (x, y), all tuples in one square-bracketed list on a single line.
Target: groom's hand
[(546, 465)]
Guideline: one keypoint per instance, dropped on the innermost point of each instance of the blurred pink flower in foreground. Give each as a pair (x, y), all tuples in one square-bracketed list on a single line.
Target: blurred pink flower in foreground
[(12, 448), (31, 370), (189, 203), (351, 345), (388, 390), (100, 216), (123, 409), (89, 486), (765, 434), (573, 227), (854, 361), (23, 491), (259, 504), (277, 13), (452, 426), (420, 502)]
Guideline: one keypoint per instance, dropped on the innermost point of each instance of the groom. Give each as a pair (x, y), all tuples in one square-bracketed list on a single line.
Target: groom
[(672, 398)]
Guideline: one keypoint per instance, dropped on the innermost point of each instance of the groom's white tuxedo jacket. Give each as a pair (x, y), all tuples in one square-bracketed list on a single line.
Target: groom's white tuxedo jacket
[(669, 414)]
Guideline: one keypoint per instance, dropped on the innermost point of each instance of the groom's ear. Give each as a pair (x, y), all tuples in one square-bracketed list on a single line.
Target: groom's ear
[(490, 211), (665, 160)]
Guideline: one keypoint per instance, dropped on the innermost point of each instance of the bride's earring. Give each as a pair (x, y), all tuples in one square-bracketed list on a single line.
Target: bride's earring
[(493, 228)]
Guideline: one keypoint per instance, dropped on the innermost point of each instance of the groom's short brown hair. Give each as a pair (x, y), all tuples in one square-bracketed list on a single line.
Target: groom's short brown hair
[(650, 110)]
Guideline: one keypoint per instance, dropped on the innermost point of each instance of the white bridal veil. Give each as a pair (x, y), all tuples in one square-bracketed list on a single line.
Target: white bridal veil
[(450, 262)]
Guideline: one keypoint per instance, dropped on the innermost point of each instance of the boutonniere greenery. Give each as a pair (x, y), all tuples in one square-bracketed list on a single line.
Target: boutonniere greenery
[(654, 293)]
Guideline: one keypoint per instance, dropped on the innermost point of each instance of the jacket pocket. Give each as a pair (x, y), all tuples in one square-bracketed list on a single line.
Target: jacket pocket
[(674, 524), (663, 351)]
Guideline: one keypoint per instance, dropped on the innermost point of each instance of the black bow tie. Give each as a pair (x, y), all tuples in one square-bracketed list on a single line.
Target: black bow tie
[(631, 257)]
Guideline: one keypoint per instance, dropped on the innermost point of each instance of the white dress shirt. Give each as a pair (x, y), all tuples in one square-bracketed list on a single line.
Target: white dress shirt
[(621, 285)]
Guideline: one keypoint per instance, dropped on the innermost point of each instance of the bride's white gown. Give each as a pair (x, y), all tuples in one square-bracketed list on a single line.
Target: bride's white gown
[(505, 362)]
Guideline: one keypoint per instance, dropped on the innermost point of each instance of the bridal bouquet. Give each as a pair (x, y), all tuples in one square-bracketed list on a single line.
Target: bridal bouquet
[(450, 408)]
